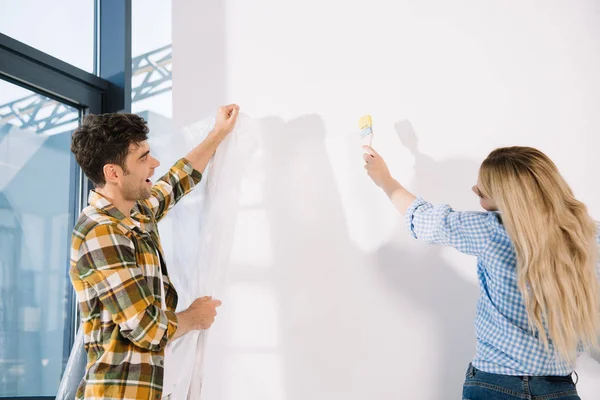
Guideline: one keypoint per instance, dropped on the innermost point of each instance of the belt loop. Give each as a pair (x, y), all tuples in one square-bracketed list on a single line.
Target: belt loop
[(576, 376), (470, 371)]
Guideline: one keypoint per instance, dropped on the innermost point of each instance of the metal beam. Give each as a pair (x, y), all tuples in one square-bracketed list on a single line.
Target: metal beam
[(155, 69), (114, 30), (152, 75), (33, 69)]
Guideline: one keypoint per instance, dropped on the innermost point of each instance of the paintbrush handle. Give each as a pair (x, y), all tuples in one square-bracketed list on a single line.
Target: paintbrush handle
[(367, 140)]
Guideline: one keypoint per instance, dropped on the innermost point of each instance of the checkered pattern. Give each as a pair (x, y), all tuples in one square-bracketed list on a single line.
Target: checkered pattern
[(505, 343), (115, 270)]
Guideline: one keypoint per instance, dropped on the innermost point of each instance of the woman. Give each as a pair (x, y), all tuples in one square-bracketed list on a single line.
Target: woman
[(537, 254)]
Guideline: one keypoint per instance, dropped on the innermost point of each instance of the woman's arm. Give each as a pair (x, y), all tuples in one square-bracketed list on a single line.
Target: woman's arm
[(380, 174), (468, 232)]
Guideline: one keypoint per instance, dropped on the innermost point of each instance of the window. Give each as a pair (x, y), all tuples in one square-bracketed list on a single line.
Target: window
[(151, 82), (64, 29), (37, 178), (42, 190)]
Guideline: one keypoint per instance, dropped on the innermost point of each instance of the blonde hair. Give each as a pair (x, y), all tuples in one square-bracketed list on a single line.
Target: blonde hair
[(554, 240)]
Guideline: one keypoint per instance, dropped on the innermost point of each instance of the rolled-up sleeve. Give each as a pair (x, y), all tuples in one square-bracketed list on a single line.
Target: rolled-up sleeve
[(170, 188), (468, 232)]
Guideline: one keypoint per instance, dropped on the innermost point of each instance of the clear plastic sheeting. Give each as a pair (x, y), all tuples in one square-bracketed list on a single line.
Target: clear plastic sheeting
[(74, 371), (202, 225)]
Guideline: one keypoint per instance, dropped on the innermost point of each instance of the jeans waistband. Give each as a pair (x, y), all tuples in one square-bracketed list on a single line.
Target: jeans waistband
[(472, 371)]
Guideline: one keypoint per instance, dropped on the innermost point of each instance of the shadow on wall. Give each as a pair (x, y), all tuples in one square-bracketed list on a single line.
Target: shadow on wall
[(419, 272), (312, 249), (422, 273), (446, 182), (314, 260)]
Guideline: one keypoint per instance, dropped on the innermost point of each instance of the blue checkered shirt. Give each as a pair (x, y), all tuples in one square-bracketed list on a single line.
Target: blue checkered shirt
[(505, 342)]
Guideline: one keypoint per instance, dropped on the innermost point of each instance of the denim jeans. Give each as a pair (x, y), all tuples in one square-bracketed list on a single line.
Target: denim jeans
[(481, 385)]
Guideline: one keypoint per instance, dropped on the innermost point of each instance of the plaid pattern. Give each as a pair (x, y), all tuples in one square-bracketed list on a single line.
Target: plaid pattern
[(115, 271), (505, 343)]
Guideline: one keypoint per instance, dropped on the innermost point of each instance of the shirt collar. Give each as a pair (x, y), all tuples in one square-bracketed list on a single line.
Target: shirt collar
[(102, 203)]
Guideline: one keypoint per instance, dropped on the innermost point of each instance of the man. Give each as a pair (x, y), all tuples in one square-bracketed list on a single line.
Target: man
[(126, 299)]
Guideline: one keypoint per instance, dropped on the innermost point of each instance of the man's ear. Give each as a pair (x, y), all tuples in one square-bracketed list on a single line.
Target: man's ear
[(112, 172)]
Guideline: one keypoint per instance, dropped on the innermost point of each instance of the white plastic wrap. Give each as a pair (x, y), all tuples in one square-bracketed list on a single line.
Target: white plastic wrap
[(74, 371), (202, 232)]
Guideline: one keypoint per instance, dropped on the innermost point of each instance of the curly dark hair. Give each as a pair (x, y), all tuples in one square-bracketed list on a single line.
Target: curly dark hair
[(105, 139)]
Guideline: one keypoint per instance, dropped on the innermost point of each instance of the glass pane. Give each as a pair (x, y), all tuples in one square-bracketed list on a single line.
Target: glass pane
[(151, 50), (151, 83), (62, 28), (36, 194)]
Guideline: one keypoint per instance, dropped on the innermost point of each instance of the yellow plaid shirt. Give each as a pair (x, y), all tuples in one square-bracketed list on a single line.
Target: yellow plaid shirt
[(115, 271)]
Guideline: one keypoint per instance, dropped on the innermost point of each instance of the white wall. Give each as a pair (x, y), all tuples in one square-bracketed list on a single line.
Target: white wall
[(328, 297)]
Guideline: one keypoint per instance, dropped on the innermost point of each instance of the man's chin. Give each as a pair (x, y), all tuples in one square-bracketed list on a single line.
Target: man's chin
[(144, 194)]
